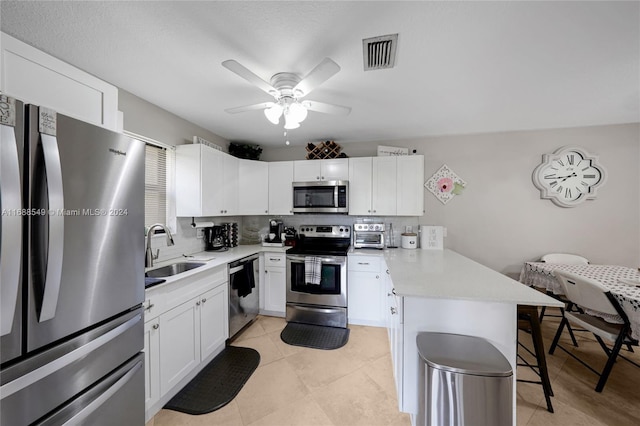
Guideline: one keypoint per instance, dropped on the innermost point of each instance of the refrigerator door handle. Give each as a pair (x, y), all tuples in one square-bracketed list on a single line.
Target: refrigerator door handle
[(96, 403), (53, 169), (11, 243)]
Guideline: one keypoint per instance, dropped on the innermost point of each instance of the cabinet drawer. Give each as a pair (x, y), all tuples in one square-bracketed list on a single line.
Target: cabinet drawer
[(364, 263), (275, 259)]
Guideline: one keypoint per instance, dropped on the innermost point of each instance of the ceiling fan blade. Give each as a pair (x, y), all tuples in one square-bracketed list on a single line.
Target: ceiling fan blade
[(321, 73), (326, 108), (248, 75), (263, 105)]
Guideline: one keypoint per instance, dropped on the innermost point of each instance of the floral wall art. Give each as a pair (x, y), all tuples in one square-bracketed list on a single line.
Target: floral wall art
[(445, 184)]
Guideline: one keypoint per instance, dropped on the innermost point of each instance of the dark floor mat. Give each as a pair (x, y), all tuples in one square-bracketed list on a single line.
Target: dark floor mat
[(218, 383), (314, 336)]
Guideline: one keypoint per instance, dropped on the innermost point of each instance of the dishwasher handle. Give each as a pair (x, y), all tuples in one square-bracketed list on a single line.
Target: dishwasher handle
[(238, 265)]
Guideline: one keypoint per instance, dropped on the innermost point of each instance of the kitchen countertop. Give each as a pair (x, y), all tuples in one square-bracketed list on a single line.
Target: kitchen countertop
[(219, 258), (446, 274)]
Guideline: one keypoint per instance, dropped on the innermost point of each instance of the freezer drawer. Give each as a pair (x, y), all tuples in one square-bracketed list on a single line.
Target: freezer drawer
[(116, 400), (33, 388)]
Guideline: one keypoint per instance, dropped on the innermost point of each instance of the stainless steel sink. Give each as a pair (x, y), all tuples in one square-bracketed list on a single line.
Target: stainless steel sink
[(173, 269)]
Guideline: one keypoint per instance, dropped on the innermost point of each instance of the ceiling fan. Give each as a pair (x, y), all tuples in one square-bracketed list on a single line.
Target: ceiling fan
[(287, 90)]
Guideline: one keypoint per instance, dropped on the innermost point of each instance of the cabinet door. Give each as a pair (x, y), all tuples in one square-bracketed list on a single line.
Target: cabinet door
[(179, 343), (151, 362), (306, 170), (360, 188), (409, 186), (275, 290), (230, 185), (214, 318), (211, 181), (384, 186), (35, 77), (365, 298), (336, 169), (253, 191), (280, 190)]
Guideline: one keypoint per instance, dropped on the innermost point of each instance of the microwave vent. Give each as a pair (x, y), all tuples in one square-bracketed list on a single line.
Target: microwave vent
[(379, 52)]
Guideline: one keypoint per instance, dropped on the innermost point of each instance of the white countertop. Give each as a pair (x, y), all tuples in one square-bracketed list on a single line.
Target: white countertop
[(219, 258), (446, 274)]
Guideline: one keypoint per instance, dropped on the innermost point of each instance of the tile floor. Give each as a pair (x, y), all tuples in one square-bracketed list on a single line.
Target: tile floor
[(354, 385)]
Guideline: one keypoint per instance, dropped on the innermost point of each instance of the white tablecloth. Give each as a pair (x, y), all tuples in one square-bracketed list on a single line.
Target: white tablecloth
[(540, 274)]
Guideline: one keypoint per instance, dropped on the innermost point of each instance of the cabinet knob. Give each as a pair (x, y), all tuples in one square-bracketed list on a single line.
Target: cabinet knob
[(322, 177), (266, 272), (375, 211), (204, 299), (368, 211), (274, 259), (266, 211), (149, 307), (221, 211), (198, 303), (393, 310), (377, 277), (155, 326)]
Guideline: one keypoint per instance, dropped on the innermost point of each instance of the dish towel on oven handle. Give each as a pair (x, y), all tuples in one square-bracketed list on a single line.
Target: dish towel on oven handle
[(312, 270)]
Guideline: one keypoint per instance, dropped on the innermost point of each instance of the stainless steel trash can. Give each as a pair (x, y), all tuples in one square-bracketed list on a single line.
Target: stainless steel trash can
[(464, 380)]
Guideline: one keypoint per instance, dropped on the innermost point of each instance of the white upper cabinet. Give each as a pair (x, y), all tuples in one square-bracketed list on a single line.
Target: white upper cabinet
[(410, 189), (386, 186), (206, 182), (280, 190), (372, 186), (322, 170), (35, 77), (254, 187)]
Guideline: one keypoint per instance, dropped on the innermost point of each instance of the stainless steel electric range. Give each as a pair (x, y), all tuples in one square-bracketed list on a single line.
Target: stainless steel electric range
[(323, 302)]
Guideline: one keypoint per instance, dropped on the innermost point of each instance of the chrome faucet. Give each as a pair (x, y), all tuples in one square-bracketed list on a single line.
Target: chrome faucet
[(149, 256)]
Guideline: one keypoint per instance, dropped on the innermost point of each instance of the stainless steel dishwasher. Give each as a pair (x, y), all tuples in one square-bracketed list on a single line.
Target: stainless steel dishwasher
[(243, 293)]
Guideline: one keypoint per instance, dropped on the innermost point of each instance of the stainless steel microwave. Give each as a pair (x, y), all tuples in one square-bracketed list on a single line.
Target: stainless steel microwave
[(321, 197)]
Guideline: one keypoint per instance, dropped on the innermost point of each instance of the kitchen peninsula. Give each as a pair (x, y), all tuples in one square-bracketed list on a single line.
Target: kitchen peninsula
[(443, 291)]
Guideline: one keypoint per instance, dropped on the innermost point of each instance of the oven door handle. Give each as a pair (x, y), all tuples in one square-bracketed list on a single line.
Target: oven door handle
[(340, 260)]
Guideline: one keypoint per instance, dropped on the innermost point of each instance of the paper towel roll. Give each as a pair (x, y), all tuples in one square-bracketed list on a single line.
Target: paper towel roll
[(201, 224)]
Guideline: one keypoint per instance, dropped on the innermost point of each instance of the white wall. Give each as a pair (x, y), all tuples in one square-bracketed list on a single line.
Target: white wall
[(500, 220)]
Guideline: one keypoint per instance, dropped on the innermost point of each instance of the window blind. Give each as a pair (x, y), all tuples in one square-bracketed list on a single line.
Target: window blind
[(155, 185)]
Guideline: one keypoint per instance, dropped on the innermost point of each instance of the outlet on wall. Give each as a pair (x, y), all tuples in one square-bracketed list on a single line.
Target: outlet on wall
[(199, 232)]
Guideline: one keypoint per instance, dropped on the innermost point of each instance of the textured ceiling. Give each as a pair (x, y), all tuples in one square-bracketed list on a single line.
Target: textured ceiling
[(461, 67)]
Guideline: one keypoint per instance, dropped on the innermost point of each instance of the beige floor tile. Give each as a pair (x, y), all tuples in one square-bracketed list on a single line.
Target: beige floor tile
[(229, 415), (269, 352), (270, 388), (366, 343), (357, 400), (317, 367), (305, 412), (381, 372), (564, 415), (270, 324), (254, 330)]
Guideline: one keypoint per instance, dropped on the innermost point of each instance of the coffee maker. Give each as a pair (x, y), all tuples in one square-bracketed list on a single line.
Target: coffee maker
[(276, 228), (214, 238)]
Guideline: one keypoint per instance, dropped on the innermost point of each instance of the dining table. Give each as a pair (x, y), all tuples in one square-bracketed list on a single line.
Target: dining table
[(623, 283)]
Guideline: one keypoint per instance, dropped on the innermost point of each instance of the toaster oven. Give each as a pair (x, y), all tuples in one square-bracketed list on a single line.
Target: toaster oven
[(368, 235)]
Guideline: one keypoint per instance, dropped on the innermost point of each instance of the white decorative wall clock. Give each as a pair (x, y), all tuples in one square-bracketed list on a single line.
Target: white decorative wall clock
[(445, 184), (569, 176)]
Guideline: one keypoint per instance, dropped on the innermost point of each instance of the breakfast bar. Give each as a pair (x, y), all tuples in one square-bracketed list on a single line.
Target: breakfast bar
[(443, 291)]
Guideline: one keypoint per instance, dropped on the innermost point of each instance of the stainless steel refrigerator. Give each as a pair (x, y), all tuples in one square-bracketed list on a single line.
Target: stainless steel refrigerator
[(71, 270)]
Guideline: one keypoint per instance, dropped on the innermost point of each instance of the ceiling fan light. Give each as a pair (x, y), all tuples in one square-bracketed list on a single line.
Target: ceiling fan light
[(297, 112), (273, 114), (290, 123)]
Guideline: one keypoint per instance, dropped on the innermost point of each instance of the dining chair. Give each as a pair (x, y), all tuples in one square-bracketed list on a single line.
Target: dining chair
[(590, 295), (528, 322), (565, 259)]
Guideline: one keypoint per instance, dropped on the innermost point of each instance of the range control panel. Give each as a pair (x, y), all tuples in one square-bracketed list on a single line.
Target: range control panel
[(326, 231)]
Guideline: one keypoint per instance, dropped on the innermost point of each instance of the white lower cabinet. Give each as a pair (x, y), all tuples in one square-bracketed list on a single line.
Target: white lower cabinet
[(275, 285), (364, 291), (186, 324), (151, 362), (394, 318)]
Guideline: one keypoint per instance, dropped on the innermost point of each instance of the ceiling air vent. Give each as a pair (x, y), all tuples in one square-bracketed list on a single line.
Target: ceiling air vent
[(379, 52)]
